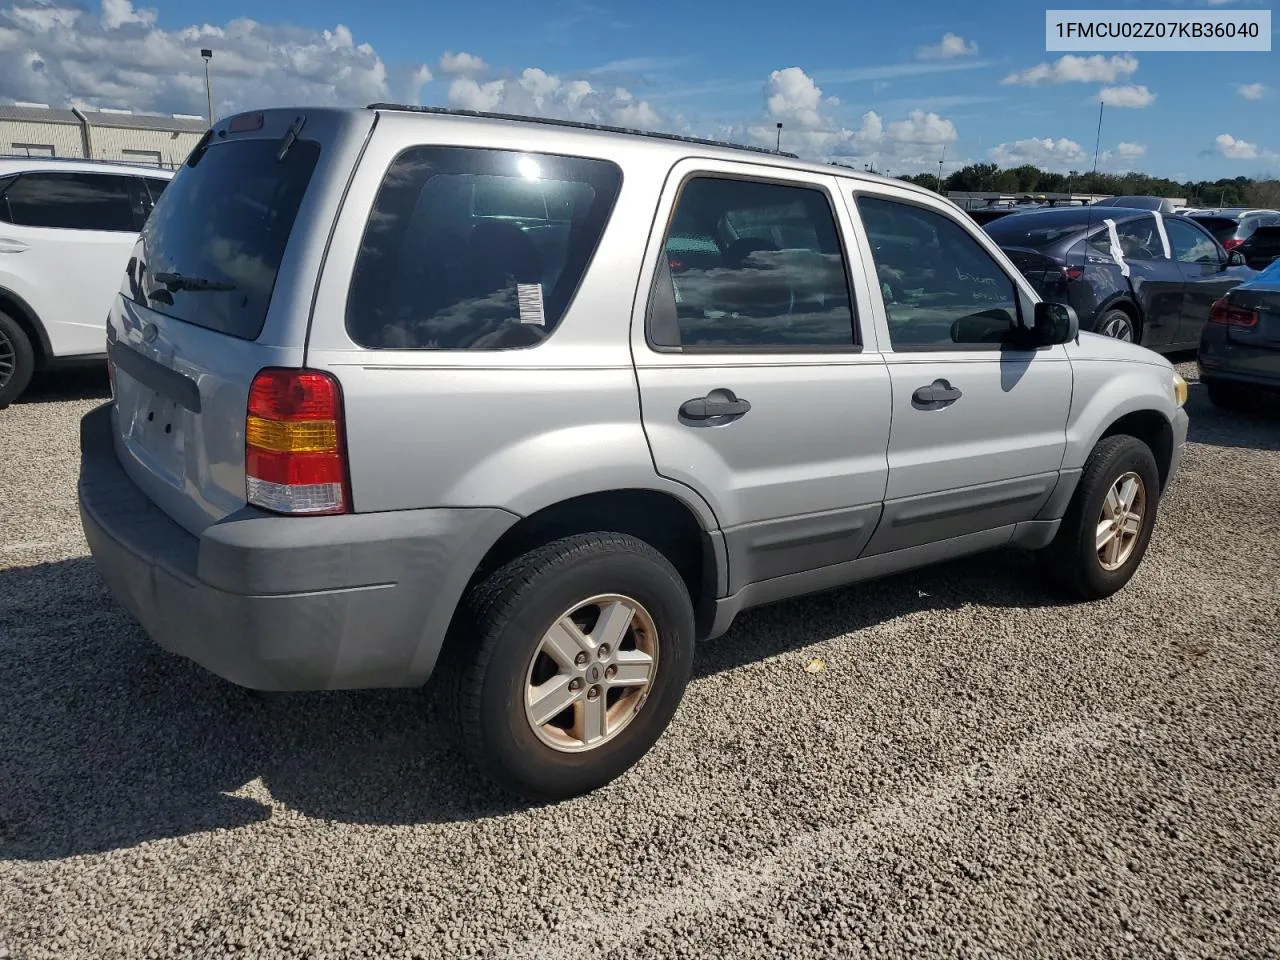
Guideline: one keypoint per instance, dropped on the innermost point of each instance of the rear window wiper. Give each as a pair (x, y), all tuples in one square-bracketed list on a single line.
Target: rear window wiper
[(176, 281)]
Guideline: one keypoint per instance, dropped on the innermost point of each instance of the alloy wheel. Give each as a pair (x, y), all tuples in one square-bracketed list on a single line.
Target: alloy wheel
[(8, 359), (1118, 327), (591, 673), (1120, 522)]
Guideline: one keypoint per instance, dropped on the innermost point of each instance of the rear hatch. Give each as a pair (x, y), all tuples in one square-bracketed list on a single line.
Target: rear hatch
[(220, 286)]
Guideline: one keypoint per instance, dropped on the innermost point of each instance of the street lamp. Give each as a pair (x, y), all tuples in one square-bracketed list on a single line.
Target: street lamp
[(207, 54), (778, 146)]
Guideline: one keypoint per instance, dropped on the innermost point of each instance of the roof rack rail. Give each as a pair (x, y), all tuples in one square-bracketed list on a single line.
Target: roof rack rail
[(579, 125)]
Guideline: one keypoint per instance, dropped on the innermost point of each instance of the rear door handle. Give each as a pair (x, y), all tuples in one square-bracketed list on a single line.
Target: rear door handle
[(718, 406), (936, 395), (9, 245)]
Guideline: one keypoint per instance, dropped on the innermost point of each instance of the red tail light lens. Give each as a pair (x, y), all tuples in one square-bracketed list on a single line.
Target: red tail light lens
[(1223, 311), (1231, 244), (295, 457), (1072, 273)]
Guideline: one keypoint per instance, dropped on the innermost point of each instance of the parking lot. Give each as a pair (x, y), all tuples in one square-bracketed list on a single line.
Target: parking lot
[(976, 770)]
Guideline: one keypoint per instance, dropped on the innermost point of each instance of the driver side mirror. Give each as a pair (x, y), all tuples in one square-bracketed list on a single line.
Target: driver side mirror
[(1055, 323), (1235, 259)]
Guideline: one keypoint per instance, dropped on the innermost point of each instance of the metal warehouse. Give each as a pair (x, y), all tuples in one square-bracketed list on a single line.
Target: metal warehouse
[(31, 130)]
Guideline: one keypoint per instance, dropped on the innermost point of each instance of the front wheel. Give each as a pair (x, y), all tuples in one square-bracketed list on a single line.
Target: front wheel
[(1105, 532), (577, 656), (1118, 325)]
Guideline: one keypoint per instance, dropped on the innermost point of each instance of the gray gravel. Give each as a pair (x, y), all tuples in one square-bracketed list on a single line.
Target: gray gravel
[(977, 771)]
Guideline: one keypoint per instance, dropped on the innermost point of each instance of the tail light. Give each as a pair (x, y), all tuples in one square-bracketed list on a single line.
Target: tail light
[(1072, 273), (1223, 311), (1231, 244), (295, 459)]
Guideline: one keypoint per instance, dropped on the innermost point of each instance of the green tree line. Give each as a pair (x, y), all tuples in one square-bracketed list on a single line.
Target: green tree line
[(987, 177)]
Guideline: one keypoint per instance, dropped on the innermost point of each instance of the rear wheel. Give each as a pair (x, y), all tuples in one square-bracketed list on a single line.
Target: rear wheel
[(1105, 532), (1118, 325), (17, 360), (576, 657)]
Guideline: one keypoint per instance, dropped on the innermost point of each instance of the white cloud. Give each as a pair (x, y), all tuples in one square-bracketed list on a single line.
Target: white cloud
[(1047, 153), (117, 13), (1130, 151), (52, 52), (1252, 91), (538, 93), (1073, 69), (951, 45), (921, 127), (1233, 149), (461, 64), (1130, 96), (792, 96)]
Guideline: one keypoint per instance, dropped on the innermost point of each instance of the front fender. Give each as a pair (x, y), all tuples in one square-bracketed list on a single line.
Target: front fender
[(1106, 390)]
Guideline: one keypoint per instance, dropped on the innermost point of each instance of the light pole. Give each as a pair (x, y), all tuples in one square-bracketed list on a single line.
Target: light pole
[(207, 54), (940, 159), (778, 146)]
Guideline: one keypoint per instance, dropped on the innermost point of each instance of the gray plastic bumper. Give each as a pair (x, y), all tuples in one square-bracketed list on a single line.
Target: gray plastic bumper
[(283, 603)]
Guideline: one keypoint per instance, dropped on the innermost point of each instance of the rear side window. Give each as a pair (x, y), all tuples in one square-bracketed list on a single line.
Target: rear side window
[(156, 186), (71, 201), (751, 266), (475, 249), (212, 247), (1223, 228)]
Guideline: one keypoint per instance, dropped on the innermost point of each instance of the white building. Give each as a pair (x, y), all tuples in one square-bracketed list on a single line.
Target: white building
[(35, 130)]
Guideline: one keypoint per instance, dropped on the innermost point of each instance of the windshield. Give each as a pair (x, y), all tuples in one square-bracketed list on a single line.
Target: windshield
[(211, 249)]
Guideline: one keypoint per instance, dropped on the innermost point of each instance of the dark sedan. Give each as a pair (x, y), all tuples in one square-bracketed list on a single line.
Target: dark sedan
[(1240, 348), (1262, 248), (1130, 274)]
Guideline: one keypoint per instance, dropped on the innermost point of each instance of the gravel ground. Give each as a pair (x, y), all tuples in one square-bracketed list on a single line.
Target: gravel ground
[(977, 771)]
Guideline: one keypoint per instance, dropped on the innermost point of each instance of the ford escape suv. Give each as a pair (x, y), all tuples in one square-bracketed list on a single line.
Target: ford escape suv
[(533, 405)]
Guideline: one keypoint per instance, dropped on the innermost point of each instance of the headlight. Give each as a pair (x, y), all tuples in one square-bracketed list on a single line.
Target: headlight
[(1179, 390)]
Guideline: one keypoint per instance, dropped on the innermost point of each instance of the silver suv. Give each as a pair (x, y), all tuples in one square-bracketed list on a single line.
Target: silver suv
[(534, 405)]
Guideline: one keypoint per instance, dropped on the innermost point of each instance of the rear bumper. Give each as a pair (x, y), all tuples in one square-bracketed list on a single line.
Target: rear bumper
[(1223, 357), (283, 603)]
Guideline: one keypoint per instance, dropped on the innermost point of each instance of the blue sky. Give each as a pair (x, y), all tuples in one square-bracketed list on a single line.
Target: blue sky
[(849, 81)]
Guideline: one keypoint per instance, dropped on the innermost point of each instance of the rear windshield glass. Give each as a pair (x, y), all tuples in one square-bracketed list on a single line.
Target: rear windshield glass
[(1223, 228), (212, 246), (471, 249), (1037, 230)]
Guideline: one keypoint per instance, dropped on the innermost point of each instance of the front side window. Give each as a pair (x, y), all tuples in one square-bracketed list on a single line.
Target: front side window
[(940, 287), (754, 266), (474, 249), (1139, 240), (70, 201), (1191, 244)]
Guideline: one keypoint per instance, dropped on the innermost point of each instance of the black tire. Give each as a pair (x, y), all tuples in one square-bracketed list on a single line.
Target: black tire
[(1226, 396), (499, 629), (1117, 317), (17, 360), (1071, 563)]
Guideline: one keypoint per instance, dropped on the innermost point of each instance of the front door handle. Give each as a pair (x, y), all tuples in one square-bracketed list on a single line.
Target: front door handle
[(10, 245), (718, 406), (935, 396)]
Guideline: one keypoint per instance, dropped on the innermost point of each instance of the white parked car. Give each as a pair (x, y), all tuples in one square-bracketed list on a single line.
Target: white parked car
[(67, 229)]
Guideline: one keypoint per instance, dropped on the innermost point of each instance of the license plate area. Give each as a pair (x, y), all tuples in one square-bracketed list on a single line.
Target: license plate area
[(155, 430)]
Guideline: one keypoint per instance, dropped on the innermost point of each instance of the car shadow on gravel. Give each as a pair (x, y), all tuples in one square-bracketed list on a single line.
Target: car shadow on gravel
[(1256, 427), (73, 383), (107, 742)]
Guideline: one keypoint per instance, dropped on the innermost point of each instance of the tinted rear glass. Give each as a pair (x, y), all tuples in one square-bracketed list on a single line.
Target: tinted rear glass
[(472, 249), (1039, 230), (211, 249), (1223, 228)]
